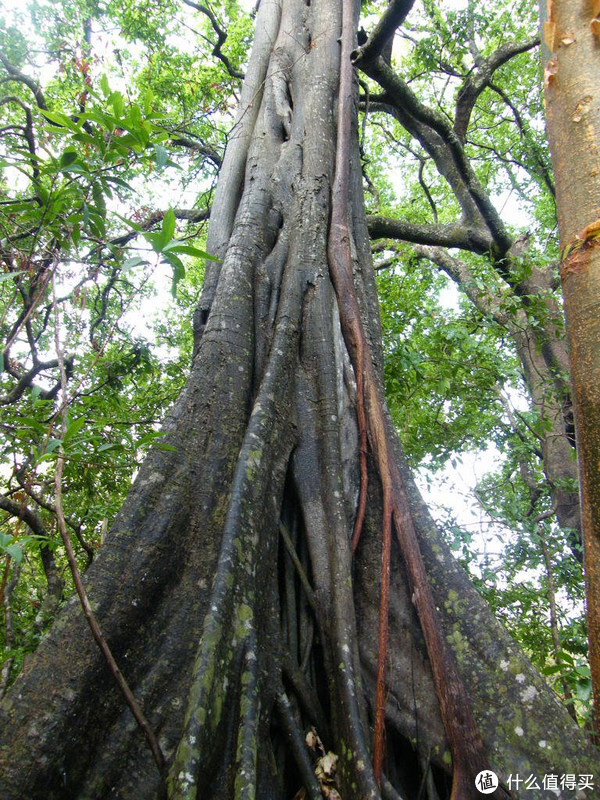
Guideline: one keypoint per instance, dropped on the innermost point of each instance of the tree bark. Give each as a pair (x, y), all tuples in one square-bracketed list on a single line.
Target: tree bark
[(229, 655), (572, 36)]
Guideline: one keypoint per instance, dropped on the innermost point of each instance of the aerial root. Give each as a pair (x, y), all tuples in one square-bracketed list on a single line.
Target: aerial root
[(298, 747)]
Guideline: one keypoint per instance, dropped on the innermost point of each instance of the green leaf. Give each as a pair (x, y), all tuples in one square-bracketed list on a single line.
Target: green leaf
[(165, 446), (133, 225), (190, 251), (119, 182), (155, 240), (168, 226), (99, 201), (135, 261), (148, 100), (15, 552), (564, 656), (60, 119), (118, 104), (552, 670), (583, 690), (68, 157), (161, 155), (110, 446), (52, 445), (178, 270), (4, 276), (73, 429), (104, 85)]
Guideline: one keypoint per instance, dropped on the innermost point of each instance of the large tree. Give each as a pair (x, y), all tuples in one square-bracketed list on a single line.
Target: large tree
[(574, 122), (227, 588)]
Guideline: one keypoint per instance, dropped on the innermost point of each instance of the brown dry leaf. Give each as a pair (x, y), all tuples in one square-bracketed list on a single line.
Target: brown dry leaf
[(550, 71), (550, 35), (567, 41), (311, 740), (595, 26), (300, 794), (549, 8), (329, 763), (595, 7)]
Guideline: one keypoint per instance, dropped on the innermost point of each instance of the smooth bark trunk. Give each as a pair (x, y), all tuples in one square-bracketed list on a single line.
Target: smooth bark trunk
[(572, 37)]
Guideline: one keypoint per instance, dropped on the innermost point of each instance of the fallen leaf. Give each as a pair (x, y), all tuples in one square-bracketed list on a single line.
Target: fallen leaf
[(595, 26), (596, 7), (329, 763), (566, 41)]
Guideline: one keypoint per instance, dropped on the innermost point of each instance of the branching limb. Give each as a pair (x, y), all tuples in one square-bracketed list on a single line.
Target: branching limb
[(393, 17), (16, 75), (480, 78), (26, 380), (406, 101), (221, 38), (466, 237), (520, 123), (198, 147), (487, 302), (27, 132)]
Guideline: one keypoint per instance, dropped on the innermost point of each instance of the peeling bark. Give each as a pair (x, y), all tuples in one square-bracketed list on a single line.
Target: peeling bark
[(573, 113)]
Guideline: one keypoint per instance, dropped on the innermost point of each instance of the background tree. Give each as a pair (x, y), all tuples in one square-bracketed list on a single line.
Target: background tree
[(574, 117), (260, 463)]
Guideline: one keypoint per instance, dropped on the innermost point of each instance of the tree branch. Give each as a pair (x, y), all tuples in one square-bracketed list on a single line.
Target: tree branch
[(487, 302), (29, 517), (480, 77), (407, 106), (466, 237), (26, 380), (16, 75), (221, 38), (193, 144), (393, 17)]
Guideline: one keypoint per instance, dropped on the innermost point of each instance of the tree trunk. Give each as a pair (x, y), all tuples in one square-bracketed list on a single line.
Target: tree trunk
[(572, 38), (233, 641)]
